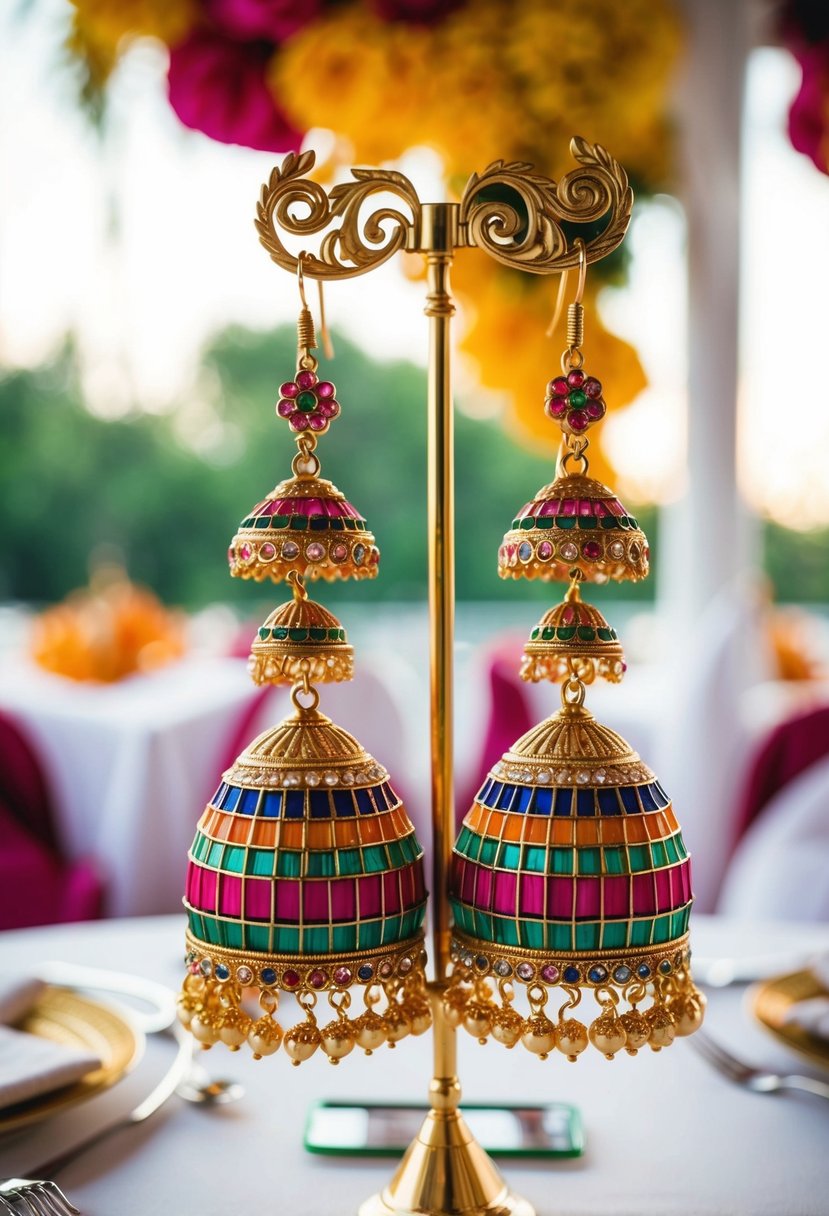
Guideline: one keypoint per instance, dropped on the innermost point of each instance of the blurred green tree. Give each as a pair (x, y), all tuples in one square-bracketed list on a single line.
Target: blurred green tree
[(72, 483)]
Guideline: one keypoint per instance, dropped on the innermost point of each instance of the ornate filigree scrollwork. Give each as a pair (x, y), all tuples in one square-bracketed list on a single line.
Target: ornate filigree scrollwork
[(517, 215), (294, 204)]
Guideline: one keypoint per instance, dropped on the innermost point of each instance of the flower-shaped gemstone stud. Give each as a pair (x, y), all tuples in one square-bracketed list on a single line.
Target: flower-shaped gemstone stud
[(307, 402), (575, 401)]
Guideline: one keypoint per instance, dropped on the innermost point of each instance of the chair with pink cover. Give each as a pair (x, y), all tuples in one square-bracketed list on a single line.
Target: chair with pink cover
[(38, 885)]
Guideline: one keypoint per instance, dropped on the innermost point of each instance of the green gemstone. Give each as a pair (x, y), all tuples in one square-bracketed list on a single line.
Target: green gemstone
[(280, 634), (534, 634), (264, 633), (548, 633), (605, 635), (298, 635), (586, 633), (565, 633), (318, 635), (308, 402), (527, 523), (577, 399)]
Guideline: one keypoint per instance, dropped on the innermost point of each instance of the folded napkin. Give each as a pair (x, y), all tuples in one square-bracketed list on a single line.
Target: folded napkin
[(29, 1064), (813, 1013)]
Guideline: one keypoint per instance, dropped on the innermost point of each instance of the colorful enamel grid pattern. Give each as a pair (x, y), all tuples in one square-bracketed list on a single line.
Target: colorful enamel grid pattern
[(571, 869), (305, 871)]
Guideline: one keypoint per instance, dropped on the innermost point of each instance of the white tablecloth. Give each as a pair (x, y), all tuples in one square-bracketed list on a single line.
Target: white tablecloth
[(131, 765), (666, 1136)]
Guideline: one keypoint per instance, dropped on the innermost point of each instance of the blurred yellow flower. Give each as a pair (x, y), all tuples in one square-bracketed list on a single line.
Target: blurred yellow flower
[(104, 24)]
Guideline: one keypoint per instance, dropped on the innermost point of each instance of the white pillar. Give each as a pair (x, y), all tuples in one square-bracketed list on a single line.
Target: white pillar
[(707, 537)]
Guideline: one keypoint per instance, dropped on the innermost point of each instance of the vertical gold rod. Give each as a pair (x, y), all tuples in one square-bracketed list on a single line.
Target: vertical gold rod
[(438, 238)]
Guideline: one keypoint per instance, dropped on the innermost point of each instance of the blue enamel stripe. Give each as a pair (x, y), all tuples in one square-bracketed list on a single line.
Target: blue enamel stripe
[(582, 801), (314, 803)]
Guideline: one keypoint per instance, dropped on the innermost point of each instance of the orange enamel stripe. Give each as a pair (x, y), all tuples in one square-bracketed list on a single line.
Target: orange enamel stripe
[(346, 833), (567, 832)]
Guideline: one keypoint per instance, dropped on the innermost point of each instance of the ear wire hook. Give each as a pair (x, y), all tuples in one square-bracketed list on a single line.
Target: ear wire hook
[(327, 344), (562, 285)]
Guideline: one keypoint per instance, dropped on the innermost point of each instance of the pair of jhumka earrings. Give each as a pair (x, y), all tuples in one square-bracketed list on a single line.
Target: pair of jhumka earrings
[(569, 874)]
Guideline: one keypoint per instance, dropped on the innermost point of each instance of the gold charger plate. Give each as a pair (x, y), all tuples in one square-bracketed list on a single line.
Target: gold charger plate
[(770, 1002), (68, 1017)]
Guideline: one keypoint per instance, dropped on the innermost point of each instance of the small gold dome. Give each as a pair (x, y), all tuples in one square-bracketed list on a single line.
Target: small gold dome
[(301, 638), (573, 638)]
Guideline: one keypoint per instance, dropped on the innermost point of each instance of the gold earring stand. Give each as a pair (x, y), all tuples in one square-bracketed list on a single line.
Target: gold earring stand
[(445, 1172)]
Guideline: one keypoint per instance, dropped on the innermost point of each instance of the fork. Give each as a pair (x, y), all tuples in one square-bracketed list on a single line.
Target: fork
[(37, 1198), (758, 1080)]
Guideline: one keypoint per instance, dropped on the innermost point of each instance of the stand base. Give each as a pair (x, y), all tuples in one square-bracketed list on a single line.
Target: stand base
[(445, 1172)]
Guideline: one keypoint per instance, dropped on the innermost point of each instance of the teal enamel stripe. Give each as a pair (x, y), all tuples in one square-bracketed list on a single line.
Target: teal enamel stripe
[(304, 523), (317, 939), (583, 523), (570, 633), (281, 634), (536, 859), (561, 937), (322, 863)]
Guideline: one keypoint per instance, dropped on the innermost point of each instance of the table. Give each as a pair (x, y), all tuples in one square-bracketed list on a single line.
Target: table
[(666, 1135), (131, 765)]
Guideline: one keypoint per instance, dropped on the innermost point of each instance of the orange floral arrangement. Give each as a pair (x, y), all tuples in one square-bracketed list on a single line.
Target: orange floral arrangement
[(107, 632)]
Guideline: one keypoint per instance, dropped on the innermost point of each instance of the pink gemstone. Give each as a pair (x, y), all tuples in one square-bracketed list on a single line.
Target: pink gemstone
[(306, 379), (568, 614), (290, 979), (549, 973), (568, 507), (595, 409), (195, 969), (329, 409), (339, 552), (267, 552), (245, 552), (544, 550), (576, 420), (374, 557), (405, 966), (317, 979), (550, 507), (300, 422), (315, 552), (316, 422), (558, 386), (575, 379), (290, 550), (592, 387), (289, 389), (342, 976), (591, 549), (325, 389), (557, 407), (231, 556), (385, 969), (285, 408), (585, 506), (599, 509)]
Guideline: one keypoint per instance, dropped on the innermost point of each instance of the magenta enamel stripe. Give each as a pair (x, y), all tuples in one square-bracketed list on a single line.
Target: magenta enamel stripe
[(560, 897)]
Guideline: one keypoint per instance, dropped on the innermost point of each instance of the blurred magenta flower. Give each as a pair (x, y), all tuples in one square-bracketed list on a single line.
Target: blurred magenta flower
[(273, 20), (218, 86), (809, 113)]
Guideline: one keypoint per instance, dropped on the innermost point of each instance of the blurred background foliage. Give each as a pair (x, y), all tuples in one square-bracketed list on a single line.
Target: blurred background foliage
[(74, 486)]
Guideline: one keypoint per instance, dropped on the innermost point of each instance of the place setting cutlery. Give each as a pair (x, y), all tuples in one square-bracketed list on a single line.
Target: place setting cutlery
[(184, 1078)]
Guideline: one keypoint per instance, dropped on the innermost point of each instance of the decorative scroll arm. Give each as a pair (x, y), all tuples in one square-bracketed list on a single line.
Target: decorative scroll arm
[(291, 203), (517, 216)]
